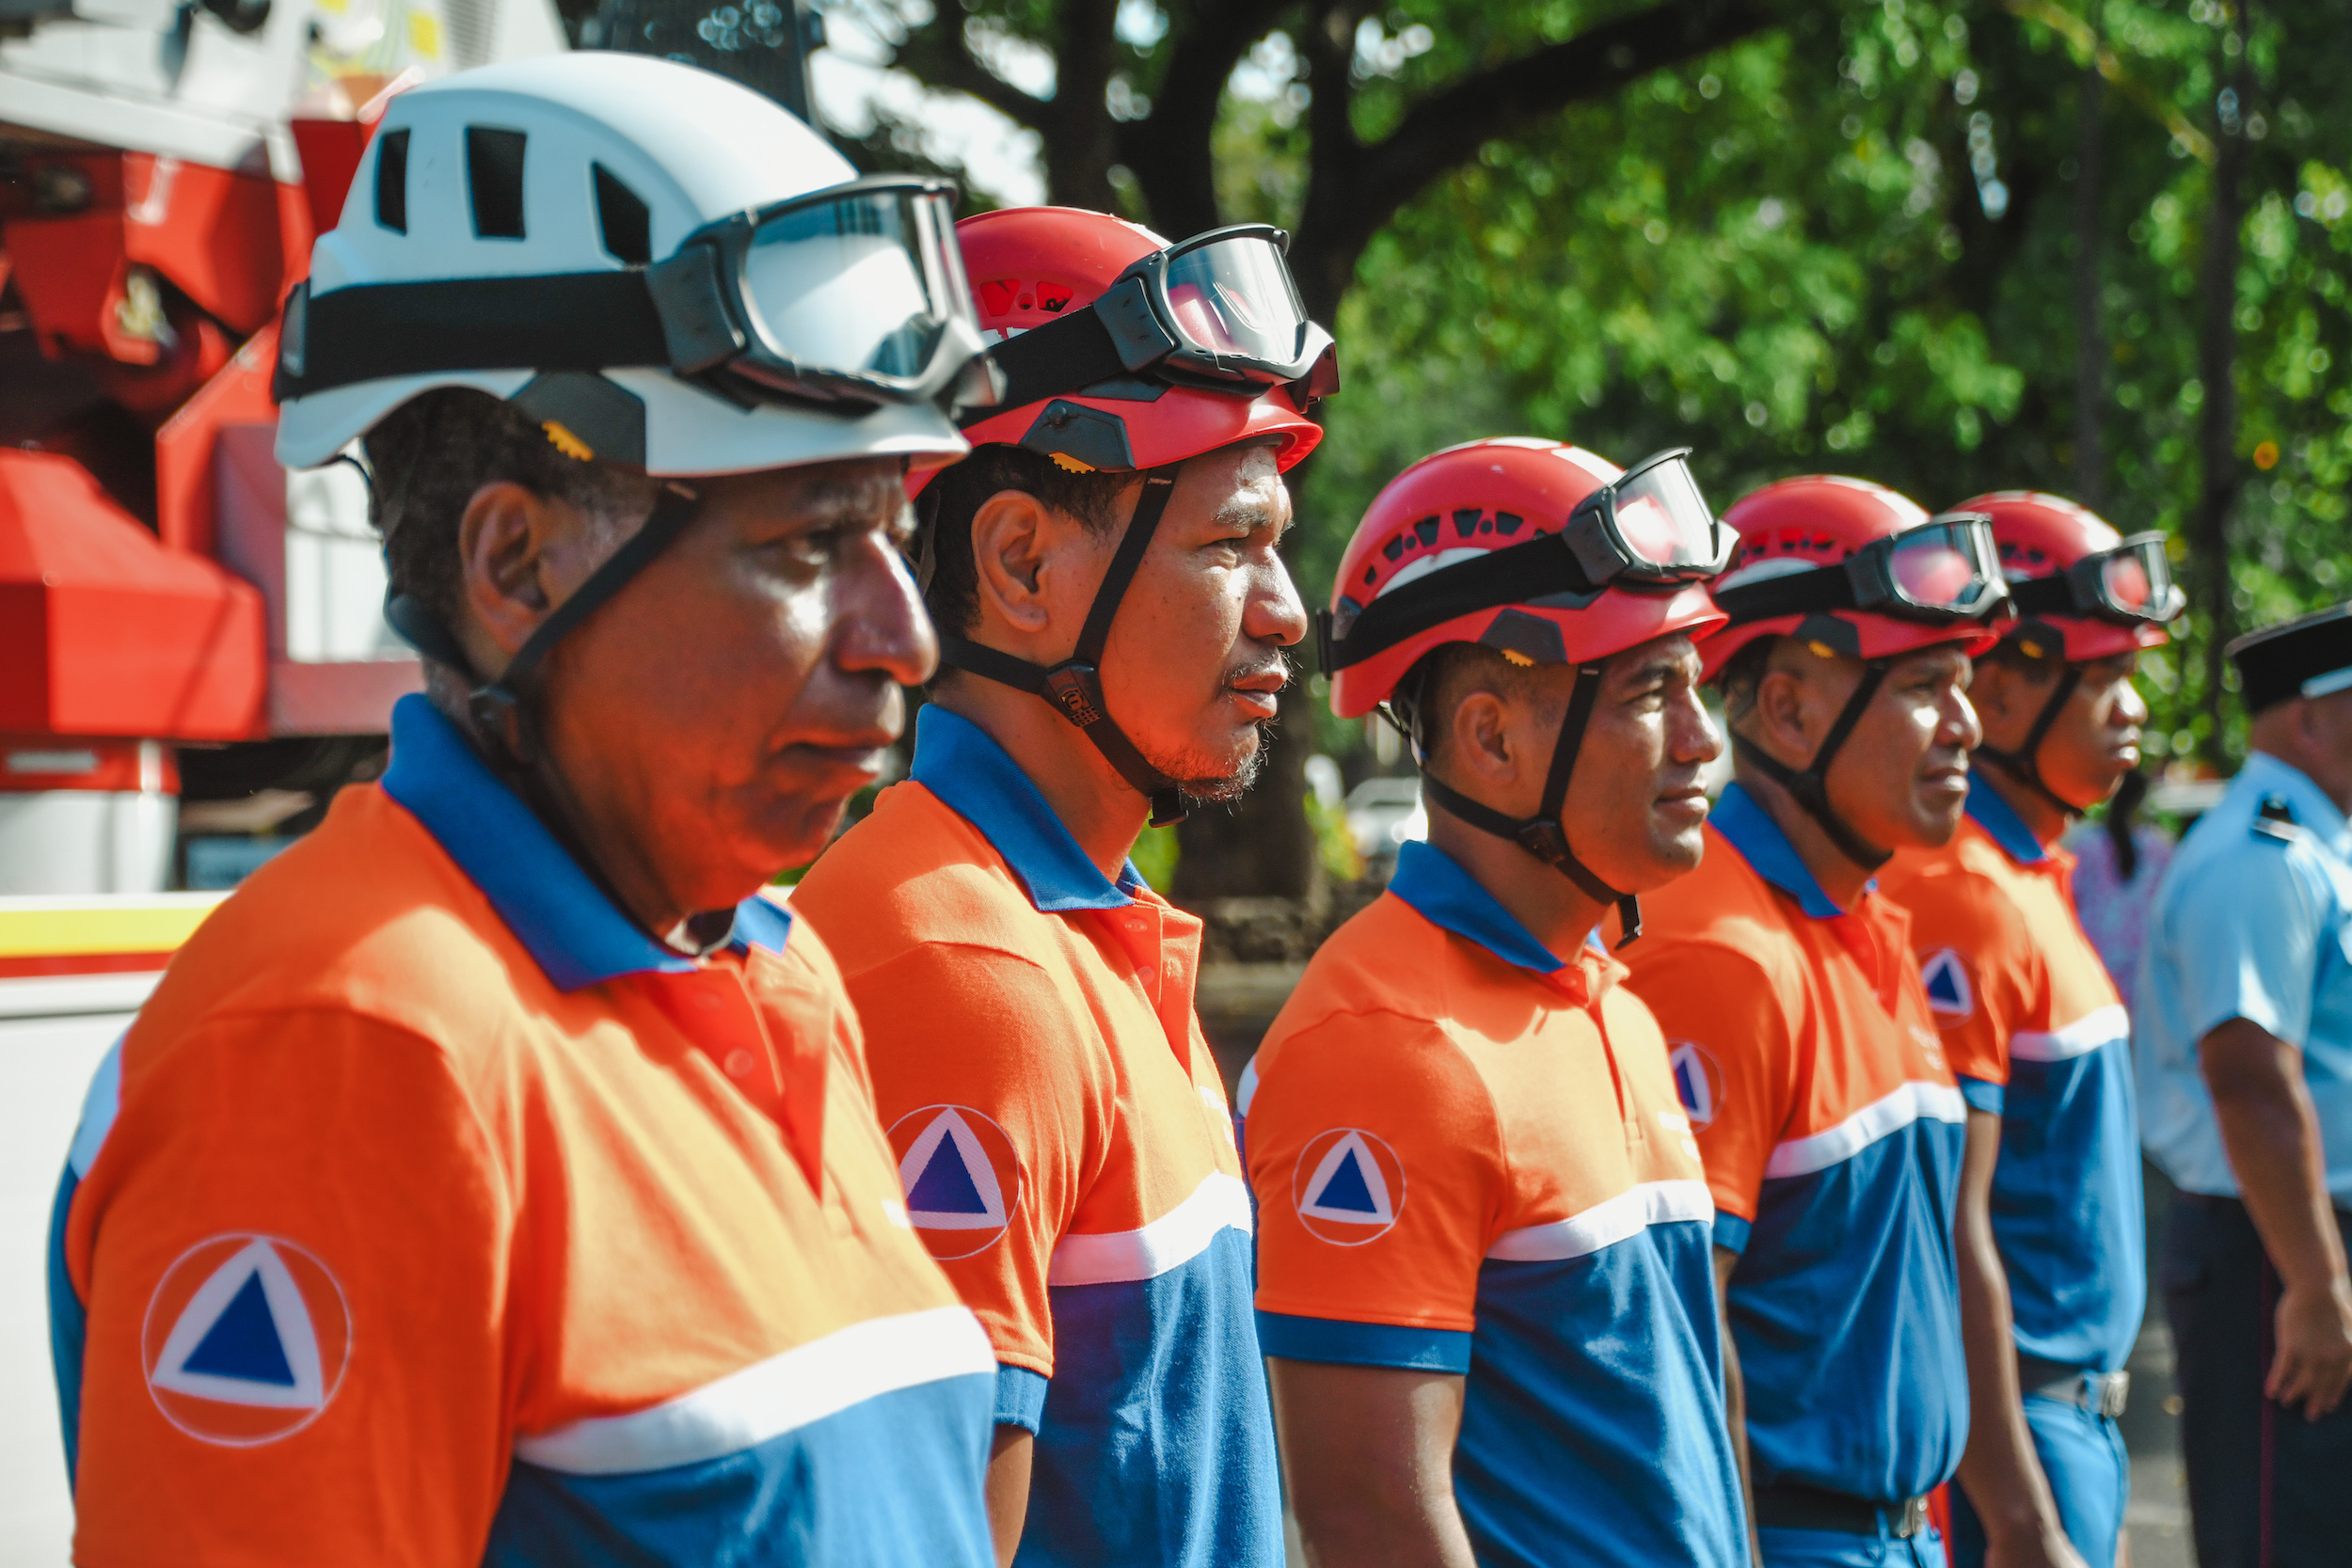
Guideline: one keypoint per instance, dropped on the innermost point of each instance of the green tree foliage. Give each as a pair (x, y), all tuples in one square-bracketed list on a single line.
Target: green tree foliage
[(1846, 245)]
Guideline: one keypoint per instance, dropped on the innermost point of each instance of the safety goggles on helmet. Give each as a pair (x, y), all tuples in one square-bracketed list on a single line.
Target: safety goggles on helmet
[(1943, 571), (849, 296), (1218, 312), (2131, 585), (1650, 527)]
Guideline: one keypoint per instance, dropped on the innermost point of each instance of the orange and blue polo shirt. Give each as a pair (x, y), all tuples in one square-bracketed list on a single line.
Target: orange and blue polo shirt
[(1066, 1151), (1469, 1158), (1806, 1056), (431, 1213), (2035, 1029)]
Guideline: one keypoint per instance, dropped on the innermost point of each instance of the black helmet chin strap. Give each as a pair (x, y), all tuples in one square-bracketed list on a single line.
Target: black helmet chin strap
[(496, 705), (499, 708), (1809, 788), (1541, 834), (2025, 764), (1075, 685)]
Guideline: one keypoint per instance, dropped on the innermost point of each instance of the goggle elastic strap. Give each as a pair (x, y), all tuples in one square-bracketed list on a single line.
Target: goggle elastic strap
[(1541, 834), (1809, 786), (2025, 764), (1075, 685)]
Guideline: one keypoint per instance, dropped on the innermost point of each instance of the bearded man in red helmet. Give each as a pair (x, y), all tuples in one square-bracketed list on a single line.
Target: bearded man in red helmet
[(2050, 1246), (1112, 617), (1803, 1044), (1483, 1268)]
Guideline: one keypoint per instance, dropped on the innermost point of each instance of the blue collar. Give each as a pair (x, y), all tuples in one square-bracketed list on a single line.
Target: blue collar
[(1448, 897), (1752, 831), (2265, 774), (962, 764), (554, 908), (1999, 818)]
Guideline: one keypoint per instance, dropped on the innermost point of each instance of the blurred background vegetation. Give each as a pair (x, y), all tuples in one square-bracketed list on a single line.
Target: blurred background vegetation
[(2093, 246)]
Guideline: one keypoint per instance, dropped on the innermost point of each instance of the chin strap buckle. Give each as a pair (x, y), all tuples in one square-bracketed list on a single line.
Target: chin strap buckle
[(1544, 840), (1077, 690)]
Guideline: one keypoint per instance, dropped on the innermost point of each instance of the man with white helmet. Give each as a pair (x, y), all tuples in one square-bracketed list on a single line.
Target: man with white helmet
[(495, 1177)]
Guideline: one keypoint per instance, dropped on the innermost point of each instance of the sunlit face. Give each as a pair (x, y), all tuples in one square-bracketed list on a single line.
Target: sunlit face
[(2092, 743), (1195, 664), (1901, 779), (746, 685), (1635, 805)]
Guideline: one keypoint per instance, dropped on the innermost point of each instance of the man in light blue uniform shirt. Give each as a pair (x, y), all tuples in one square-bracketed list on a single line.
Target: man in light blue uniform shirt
[(2243, 1028)]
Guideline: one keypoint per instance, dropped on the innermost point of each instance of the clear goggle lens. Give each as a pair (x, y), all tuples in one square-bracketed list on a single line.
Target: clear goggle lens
[(1940, 565), (1663, 519), (1234, 299), (2137, 581), (863, 285)]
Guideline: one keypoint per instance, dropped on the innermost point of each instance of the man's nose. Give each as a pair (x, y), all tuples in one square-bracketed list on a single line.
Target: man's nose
[(880, 621)]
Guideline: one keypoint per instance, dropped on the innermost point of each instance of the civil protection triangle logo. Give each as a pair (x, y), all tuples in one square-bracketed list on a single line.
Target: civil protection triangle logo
[(1951, 997), (247, 1339), (1348, 1186), (961, 1178)]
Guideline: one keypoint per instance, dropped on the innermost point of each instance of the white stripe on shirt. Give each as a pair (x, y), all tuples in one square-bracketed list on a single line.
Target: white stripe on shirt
[(1914, 1101), (1607, 1223), (1219, 1203), (771, 1398)]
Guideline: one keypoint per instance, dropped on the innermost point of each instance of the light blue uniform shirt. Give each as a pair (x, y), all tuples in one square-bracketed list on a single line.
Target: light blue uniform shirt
[(2253, 921)]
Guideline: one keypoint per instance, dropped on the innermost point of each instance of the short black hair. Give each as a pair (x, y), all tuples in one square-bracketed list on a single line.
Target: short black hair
[(1442, 678), (1742, 673), (952, 501), (427, 458)]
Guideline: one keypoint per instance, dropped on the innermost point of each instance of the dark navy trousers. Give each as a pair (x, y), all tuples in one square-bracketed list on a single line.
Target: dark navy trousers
[(2266, 1488)]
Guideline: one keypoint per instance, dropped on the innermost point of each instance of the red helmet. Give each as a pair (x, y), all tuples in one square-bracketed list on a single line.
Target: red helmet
[(1850, 568), (1037, 267), (1910, 582), (1470, 500), (2076, 582), (1543, 552), (1121, 354)]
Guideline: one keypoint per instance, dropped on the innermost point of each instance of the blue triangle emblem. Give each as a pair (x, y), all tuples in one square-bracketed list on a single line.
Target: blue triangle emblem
[(242, 1342), (1948, 992), (1345, 1190), (1349, 1181), (946, 1186), (951, 1180)]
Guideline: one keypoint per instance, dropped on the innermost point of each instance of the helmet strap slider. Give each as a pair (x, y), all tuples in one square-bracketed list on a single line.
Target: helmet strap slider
[(2025, 764), (1542, 834), (1809, 786), (1075, 685)]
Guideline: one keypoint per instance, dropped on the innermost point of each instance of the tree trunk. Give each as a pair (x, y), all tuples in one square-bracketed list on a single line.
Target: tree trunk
[(2090, 336), (1262, 846), (2216, 367), (1080, 146)]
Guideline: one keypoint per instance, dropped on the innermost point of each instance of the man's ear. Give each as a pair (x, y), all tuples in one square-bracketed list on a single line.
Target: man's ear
[(508, 543), (1478, 737), (1779, 716), (1012, 536)]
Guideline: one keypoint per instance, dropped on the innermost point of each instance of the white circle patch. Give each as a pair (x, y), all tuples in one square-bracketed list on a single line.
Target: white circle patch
[(247, 1339)]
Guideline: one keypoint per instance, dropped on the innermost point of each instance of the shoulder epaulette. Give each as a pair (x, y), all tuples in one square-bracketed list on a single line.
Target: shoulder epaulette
[(2274, 819)]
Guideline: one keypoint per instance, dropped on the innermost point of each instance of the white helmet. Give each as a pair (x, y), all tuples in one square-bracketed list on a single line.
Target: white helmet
[(663, 269)]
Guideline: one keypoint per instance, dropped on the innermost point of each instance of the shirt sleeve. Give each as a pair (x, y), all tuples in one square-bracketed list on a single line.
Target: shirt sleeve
[(1984, 979), (293, 1253), (2248, 927), (1730, 1045), (1375, 1158), (996, 1104)]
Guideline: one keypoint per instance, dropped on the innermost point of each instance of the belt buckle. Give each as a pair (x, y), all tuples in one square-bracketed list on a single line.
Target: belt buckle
[(1908, 1519), (2114, 1390)]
